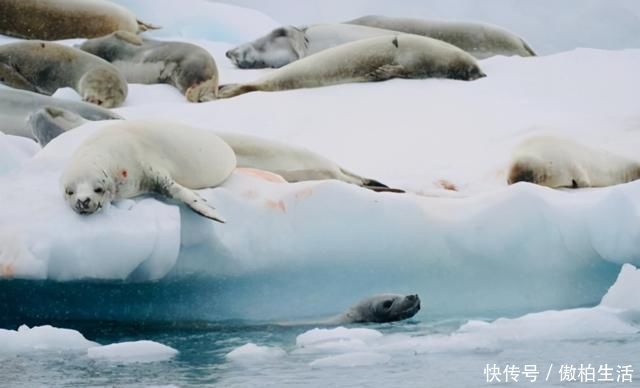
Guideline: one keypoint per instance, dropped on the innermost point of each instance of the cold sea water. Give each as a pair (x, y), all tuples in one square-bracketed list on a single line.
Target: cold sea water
[(420, 352)]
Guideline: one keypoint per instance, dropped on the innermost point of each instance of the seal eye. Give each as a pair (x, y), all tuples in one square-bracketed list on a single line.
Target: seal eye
[(387, 304), (98, 190), (69, 192)]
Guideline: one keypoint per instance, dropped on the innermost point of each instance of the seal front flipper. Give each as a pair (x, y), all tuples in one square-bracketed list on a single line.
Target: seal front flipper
[(142, 26), (10, 76), (170, 188), (386, 72)]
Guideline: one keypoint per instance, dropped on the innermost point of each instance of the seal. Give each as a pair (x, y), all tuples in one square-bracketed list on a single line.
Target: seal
[(187, 67), (66, 19), (44, 67), (253, 154), (380, 308), (478, 39), (288, 44), (559, 162), (134, 157), (16, 106), (294, 164), (373, 59)]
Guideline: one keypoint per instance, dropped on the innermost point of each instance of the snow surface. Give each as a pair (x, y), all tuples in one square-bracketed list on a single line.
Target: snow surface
[(289, 249), (136, 351)]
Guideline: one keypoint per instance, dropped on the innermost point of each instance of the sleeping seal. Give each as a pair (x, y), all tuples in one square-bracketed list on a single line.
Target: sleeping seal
[(373, 59), (16, 106), (560, 162), (187, 67), (44, 67), (66, 19), (380, 308), (293, 164), (478, 39), (134, 157), (288, 44)]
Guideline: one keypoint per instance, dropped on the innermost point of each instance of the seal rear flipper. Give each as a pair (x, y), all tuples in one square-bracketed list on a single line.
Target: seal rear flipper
[(232, 90), (386, 72), (50, 122), (367, 183), (190, 198), (142, 26)]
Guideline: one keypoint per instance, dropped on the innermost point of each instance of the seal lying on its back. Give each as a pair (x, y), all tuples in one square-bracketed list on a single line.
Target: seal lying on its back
[(559, 162), (189, 68), (65, 19), (293, 164), (478, 39), (288, 44), (129, 158), (381, 308), (374, 59), (44, 67), (17, 105)]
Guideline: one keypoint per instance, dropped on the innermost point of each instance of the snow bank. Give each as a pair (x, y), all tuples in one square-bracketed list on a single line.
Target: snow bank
[(251, 353), (129, 352), (200, 19), (41, 339)]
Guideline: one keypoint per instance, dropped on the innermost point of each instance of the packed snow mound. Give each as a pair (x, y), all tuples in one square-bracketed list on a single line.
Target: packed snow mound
[(130, 352), (41, 339), (252, 353), (14, 150), (200, 19)]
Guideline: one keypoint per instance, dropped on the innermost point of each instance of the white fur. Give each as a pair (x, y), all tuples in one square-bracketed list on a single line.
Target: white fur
[(558, 162)]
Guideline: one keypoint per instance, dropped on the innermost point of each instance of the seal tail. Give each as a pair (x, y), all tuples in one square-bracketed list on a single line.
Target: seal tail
[(370, 184), (528, 48), (142, 26), (232, 90)]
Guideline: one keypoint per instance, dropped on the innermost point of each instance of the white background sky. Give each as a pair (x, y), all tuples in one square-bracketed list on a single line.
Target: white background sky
[(548, 25)]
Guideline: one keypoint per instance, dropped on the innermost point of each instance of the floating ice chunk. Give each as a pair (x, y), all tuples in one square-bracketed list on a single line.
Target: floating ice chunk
[(351, 360), (42, 338), (340, 340), (251, 352), (136, 351)]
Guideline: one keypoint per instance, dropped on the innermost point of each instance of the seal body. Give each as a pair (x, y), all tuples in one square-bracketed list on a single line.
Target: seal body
[(381, 308), (130, 158), (44, 67), (478, 39), (558, 162), (374, 59), (16, 106), (288, 44), (294, 164), (189, 68), (65, 19)]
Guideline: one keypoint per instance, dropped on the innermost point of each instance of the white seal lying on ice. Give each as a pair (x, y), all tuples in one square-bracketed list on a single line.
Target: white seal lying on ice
[(478, 39), (293, 164), (560, 162), (288, 44), (185, 66), (373, 59), (129, 158), (17, 105)]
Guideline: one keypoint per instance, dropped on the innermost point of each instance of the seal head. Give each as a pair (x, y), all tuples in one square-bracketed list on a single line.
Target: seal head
[(385, 308), (276, 49)]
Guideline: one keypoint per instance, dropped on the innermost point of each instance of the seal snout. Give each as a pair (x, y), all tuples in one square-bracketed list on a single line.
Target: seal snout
[(82, 206)]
